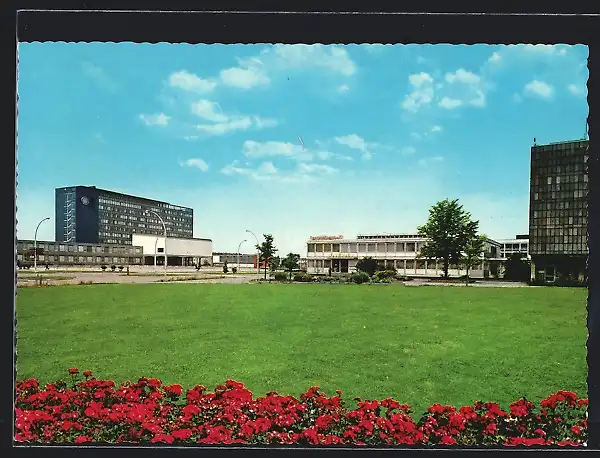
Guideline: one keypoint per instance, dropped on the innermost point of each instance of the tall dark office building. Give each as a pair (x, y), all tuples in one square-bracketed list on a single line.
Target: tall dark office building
[(86, 214), (558, 211)]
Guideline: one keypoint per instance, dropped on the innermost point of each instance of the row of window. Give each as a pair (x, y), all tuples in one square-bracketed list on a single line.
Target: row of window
[(560, 221), (578, 193), (376, 247), (76, 248), (560, 205), (514, 246), (85, 259), (400, 264), (559, 248)]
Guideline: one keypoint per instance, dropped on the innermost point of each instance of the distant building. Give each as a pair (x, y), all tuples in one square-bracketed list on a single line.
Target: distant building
[(232, 259), (180, 251), (86, 214), (520, 244), (558, 215), (393, 251), (82, 254)]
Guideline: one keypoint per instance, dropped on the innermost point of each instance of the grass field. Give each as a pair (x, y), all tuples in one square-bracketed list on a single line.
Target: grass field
[(421, 345)]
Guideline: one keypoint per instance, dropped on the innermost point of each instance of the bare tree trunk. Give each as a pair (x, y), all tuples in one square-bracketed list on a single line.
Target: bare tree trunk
[(467, 279), (446, 265)]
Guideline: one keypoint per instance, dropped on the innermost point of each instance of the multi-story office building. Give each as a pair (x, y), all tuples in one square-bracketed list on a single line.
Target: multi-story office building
[(394, 251), (86, 214), (558, 211), (520, 244), (85, 254)]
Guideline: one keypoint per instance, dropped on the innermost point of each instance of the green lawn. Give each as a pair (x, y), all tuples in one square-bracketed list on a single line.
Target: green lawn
[(421, 345)]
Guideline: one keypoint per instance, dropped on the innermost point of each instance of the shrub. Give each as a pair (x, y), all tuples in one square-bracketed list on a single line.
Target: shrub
[(121, 268), (234, 270), (367, 265), (303, 277), (281, 276), (103, 267), (225, 268), (113, 267), (359, 277), (384, 276), (98, 411)]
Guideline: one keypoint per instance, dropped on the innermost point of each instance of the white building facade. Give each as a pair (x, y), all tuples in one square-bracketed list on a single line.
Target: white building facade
[(520, 244), (394, 251), (180, 251)]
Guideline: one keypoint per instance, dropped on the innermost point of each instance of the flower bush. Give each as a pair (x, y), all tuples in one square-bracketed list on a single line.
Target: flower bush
[(89, 410)]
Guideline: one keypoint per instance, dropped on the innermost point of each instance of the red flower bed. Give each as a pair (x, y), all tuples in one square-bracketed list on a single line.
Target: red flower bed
[(98, 411)]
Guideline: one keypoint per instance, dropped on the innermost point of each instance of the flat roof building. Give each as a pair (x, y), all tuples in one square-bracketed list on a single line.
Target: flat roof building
[(392, 251), (180, 251), (86, 214), (558, 211), (520, 244)]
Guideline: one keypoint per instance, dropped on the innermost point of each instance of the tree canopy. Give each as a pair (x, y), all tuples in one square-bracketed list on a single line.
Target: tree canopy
[(266, 251), (291, 262), (448, 230), (471, 256)]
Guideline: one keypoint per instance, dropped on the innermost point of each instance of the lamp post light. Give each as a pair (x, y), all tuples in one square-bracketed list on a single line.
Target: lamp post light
[(35, 244), (257, 253), (155, 248), (165, 229), (238, 254)]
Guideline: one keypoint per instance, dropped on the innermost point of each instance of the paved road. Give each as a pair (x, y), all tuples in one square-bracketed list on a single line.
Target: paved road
[(111, 277)]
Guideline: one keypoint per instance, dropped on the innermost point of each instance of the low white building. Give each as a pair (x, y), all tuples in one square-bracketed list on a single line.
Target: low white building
[(520, 244), (180, 251), (394, 251)]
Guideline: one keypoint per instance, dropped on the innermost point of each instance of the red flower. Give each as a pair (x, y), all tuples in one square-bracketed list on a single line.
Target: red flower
[(82, 439), (167, 438), (182, 434), (73, 370), (173, 390), (448, 440), (576, 430), (87, 373), (490, 429)]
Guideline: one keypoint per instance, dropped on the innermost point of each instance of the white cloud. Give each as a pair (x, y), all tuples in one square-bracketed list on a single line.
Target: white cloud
[(326, 155), (268, 167), (159, 119), (251, 72), (421, 94), (241, 123), (254, 149), (223, 123), (576, 90), (408, 150), (539, 88), (462, 76), (436, 129), (343, 88), (495, 58), (211, 111), (195, 162), (449, 103), (415, 135), (429, 160), (356, 142), (331, 57), (190, 82), (261, 123), (305, 169)]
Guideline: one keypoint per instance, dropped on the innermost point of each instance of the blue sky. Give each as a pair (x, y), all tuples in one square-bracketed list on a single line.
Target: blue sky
[(295, 140)]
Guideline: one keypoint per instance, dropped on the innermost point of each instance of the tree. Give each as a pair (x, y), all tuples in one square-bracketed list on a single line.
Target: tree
[(448, 230), (266, 251), (471, 256), (290, 263), (367, 265), (274, 264)]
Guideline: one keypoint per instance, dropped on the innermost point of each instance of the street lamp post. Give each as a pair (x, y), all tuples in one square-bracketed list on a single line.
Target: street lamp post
[(35, 244), (257, 253), (155, 245), (238, 253), (165, 229)]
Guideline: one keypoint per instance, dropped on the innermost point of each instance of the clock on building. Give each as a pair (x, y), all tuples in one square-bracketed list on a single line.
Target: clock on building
[(85, 200)]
